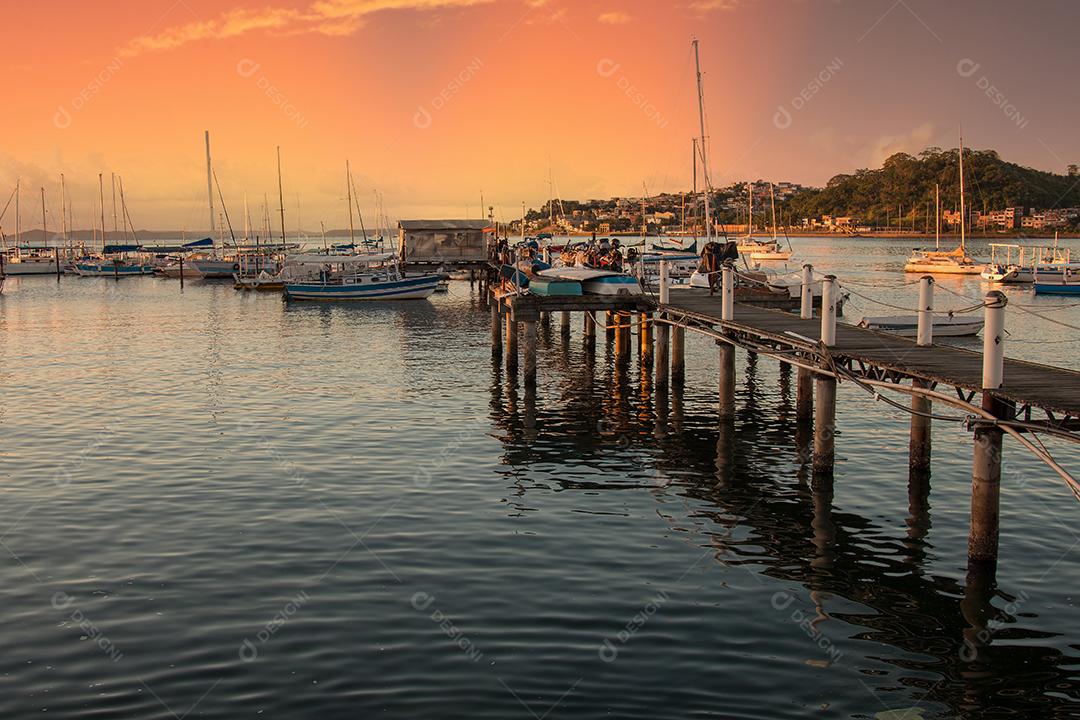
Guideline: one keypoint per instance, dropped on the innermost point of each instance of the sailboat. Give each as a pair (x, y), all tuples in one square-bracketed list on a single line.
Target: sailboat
[(25, 260), (753, 247), (952, 262), (117, 260)]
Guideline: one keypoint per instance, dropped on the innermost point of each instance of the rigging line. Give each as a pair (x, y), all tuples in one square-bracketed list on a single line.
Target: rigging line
[(1048, 319)]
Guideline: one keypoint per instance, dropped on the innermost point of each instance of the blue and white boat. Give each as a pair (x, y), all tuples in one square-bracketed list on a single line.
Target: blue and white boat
[(117, 261), (357, 277), (1067, 286)]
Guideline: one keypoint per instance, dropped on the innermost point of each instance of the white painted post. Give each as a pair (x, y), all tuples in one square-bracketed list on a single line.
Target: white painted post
[(806, 311), (664, 289), (727, 307), (994, 339), (926, 311), (828, 310)]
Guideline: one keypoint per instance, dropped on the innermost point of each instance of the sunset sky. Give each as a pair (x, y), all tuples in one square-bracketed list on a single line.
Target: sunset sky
[(437, 101)]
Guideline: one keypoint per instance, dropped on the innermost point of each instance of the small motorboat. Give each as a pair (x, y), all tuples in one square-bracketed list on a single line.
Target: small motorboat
[(1067, 286), (594, 281), (908, 325), (554, 287)]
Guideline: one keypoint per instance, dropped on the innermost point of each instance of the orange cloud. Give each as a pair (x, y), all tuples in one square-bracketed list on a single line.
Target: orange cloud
[(614, 18), (325, 17)]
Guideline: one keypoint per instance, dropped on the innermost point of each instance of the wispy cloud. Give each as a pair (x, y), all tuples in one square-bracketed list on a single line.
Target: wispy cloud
[(614, 18), (325, 17), (704, 6)]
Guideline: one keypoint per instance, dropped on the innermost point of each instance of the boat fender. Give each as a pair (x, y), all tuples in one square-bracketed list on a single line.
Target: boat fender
[(236, 267)]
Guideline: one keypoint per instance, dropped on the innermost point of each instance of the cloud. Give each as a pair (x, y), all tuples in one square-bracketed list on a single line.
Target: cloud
[(704, 6), (324, 17), (912, 143), (614, 18)]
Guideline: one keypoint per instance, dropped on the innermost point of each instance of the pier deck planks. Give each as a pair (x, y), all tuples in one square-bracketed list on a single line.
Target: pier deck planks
[(1052, 389)]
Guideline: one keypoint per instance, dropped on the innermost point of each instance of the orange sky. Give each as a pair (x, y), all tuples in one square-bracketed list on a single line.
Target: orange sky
[(436, 101)]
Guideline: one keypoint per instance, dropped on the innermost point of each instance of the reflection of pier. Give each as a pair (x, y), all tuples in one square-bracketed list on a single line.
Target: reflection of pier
[(825, 354), (730, 470)]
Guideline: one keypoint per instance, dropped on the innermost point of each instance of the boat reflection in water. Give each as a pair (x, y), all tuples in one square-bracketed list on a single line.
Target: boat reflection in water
[(890, 634)]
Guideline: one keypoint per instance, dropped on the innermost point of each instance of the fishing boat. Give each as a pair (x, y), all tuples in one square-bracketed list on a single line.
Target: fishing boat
[(1069, 284), (117, 261), (938, 261), (375, 276), (908, 325), (1048, 264)]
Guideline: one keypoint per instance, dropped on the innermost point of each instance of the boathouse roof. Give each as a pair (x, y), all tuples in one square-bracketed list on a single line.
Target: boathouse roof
[(444, 224)]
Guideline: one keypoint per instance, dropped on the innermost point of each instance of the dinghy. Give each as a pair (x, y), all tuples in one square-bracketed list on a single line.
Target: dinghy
[(908, 325), (595, 282)]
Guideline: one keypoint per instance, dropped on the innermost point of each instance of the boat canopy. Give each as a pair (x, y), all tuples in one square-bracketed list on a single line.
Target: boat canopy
[(205, 242), (112, 249), (319, 259)]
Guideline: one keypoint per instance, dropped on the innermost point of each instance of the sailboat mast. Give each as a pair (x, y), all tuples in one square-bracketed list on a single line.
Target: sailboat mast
[(44, 232), (644, 223), (704, 149), (209, 183), (247, 220), (112, 181), (18, 216), (101, 202), (963, 215), (522, 222), (772, 202), (937, 216), (348, 192), (281, 197), (750, 208), (63, 209)]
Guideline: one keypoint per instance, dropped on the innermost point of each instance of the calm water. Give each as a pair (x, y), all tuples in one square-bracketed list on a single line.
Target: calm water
[(218, 505)]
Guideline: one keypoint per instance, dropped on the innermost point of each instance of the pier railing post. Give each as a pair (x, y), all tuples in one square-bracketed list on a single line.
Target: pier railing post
[(727, 381), (645, 340), (806, 308), (828, 310), (564, 324), (986, 466), (926, 311), (727, 306), (663, 362)]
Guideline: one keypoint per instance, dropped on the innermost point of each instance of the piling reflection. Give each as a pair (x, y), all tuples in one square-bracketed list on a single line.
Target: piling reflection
[(757, 469)]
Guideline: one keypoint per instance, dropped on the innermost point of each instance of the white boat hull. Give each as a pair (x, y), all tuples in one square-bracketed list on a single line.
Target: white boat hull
[(45, 266), (908, 326)]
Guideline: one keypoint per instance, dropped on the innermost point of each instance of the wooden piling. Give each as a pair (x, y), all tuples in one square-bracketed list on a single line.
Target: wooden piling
[(529, 342), (496, 331), (564, 325), (663, 360), (727, 381), (804, 395), (986, 466), (678, 355), (825, 426), (609, 324), (622, 338), (645, 339), (590, 332), (511, 343), (919, 445)]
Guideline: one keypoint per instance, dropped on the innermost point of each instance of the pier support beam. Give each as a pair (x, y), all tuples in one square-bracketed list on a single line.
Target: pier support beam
[(564, 325), (511, 344), (919, 446), (678, 355), (804, 395), (529, 342), (663, 360), (825, 426), (496, 331), (727, 382), (609, 324)]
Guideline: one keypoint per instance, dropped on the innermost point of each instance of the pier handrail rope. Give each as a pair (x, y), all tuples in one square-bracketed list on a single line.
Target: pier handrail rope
[(1047, 319), (949, 313)]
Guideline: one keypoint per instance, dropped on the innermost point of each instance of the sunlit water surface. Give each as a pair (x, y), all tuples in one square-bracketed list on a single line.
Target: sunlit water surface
[(219, 505)]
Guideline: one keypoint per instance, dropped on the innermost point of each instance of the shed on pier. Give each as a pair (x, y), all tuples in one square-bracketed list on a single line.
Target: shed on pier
[(450, 243)]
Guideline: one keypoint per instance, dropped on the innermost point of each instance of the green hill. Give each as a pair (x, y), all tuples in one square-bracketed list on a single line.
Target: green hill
[(908, 182)]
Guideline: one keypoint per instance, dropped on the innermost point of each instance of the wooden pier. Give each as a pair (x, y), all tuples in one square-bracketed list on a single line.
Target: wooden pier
[(1017, 398)]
